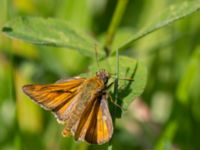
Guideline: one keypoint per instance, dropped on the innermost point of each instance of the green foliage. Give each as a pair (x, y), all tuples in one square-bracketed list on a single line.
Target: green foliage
[(188, 79), (50, 32), (168, 16)]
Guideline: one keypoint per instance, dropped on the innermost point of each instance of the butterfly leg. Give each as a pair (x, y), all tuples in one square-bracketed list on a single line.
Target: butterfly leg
[(109, 86), (66, 132), (111, 96), (115, 103)]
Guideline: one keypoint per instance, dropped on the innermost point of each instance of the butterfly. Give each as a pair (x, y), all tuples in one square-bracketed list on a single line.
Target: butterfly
[(80, 104)]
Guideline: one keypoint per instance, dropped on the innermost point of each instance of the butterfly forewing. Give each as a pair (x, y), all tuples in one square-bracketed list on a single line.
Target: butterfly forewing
[(56, 97)]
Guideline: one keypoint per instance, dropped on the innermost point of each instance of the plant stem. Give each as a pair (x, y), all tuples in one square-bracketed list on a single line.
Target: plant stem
[(116, 84), (74, 146), (117, 16), (115, 95)]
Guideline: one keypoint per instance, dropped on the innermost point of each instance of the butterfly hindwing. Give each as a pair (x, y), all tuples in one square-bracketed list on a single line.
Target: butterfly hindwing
[(95, 125)]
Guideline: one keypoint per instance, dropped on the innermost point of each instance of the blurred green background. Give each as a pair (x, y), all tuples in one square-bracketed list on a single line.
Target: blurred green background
[(166, 116)]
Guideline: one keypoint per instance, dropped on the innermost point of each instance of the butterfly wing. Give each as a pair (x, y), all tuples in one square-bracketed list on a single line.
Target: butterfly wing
[(95, 125), (56, 97)]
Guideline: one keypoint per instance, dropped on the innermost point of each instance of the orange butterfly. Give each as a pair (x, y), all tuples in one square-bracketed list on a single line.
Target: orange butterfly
[(80, 104)]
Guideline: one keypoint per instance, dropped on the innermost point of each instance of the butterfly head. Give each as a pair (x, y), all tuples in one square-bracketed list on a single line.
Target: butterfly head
[(103, 75)]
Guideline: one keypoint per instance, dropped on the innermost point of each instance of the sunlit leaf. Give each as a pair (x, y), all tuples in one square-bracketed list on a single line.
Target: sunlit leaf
[(170, 15), (51, 32), (128, 69)]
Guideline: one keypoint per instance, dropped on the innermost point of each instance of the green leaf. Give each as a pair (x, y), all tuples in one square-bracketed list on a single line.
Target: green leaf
[(128, 69), (51, 32), (165, 141), (188, 79), (170, 15)]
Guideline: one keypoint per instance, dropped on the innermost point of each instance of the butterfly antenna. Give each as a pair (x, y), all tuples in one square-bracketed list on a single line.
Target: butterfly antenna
[(96, 55)]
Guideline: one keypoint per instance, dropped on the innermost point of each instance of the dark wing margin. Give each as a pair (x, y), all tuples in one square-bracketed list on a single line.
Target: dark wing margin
[(95, 125), (55, 97)]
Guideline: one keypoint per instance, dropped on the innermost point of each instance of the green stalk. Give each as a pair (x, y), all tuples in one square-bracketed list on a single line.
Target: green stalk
[(116, 84), (116, 19), (74, 146), (115, 94)]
